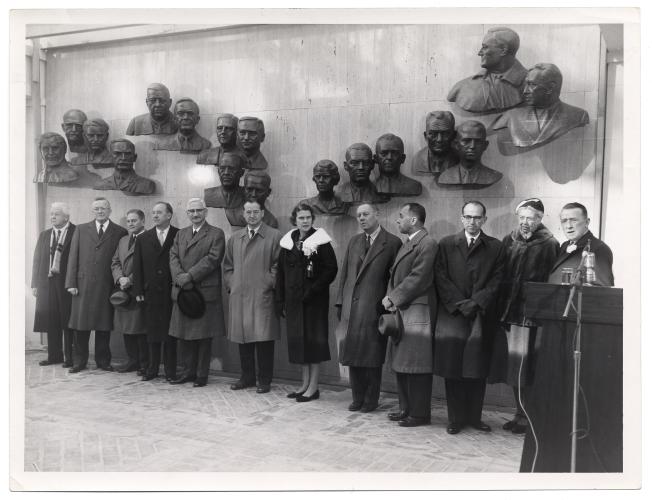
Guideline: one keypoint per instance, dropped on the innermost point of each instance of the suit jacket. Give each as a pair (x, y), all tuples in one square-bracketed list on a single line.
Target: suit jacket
[(603, 260), (130, 184), (89, 270), (144, 125), (104, 159), (257, 161), (129, 319), (191, 145), (153, 280), (212, 156), (421, 164), (47, 287), (399, 186), (411, 290), (217, 197), (463, 345), (350, 193), (334, 207), (480, 176), (363, 283)]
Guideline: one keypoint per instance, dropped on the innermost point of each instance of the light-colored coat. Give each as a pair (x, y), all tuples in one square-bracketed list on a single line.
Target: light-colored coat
[(412, 291), (130, 319), (249, 270), (201, 257), (89, 270)]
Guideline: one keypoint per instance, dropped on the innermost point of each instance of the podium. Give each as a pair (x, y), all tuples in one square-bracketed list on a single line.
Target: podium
[(549, 400)]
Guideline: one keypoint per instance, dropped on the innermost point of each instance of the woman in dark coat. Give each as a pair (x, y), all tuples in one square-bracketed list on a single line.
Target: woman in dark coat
[(531, 251), (307, 267)]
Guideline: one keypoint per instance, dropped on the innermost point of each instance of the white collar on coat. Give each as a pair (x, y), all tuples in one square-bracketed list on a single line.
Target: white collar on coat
[(319, 237)]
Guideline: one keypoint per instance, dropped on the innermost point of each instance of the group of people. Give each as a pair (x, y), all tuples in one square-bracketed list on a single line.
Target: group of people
[(453, 309)]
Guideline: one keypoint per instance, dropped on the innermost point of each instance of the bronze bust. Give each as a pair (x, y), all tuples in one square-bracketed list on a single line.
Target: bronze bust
[(96, 133), (439, 154), (390, 155), (470, 143), (257, 187), (187, 140), (544, 117), (56, 169), (326, 176), (159, 120), (72, 126), (251, 133), (227, 136), (124, 177), (359, 163), (499, 84), (230, 194)]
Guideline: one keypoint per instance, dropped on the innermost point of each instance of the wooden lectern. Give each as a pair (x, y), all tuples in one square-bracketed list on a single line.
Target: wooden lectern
[(548, 401)]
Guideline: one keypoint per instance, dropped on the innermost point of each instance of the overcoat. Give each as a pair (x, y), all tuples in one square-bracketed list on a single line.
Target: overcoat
[(305, 300), (89, 270), (201, 257), (412, 291), (363, 282), (46, 286), (603, 260), (463, 346), (153, 280), (249, 271), (130, 319)]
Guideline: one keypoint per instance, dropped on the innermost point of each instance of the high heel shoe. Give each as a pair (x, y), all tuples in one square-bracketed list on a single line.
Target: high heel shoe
[(302, 399), (294, 395)]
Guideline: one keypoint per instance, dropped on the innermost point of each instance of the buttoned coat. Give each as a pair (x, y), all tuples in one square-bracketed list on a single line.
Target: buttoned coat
[(201, 257), (249, 270), (129, 319), (412, 291), (144, 125), (462, 345), (603, 260), (47, 286), (89, 270), (363, 283), (153, 280)]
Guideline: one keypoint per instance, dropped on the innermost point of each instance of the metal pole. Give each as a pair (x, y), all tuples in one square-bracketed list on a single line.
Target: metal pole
[(577, 358)]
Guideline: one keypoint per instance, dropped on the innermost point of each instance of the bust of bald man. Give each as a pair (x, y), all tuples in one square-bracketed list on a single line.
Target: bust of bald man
[(124, 177), (226, 130), (187, 140), (159, 120), (96, 134), (390, 155), (73, 128), (439, 154), (326, 176), (359, 164)]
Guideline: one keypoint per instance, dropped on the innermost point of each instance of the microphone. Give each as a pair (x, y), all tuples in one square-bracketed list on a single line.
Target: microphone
[(576, 280)]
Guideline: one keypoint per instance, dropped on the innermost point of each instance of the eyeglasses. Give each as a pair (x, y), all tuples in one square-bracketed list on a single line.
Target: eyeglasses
[(195, 210), (476, 218), (252, 212)]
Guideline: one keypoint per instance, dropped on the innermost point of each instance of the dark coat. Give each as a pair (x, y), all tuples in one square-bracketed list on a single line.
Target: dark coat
[(153, 280), (462, 345), (603, 260), (89, 270), (305, 300), (411, 290), (129, 319), (55, 285), (360, 294), (144, 125)]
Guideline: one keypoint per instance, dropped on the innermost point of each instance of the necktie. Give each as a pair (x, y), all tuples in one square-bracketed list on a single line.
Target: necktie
[(132, 240), (471, 242), (252, 233), (100, 233), (367, 243), (194, 232), (161, 237)]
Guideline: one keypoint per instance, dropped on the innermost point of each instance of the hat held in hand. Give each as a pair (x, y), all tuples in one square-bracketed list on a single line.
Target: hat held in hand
[(191, 301), (120, 299), (391, 325)]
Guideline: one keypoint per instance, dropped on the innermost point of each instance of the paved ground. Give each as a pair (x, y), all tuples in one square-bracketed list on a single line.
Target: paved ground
[(98, 421)]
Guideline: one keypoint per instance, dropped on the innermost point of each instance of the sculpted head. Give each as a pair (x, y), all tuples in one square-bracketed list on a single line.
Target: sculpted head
[(498, 51), (325, 175), (542, 85), (257, 186), (124, 154), (158, 101), (251, 133), (96, 133), (390, 154), (53, 149), (359, 162), (186, 113), (72, 126), (471, 141), (227, 128), (231, 168), (440, 132)]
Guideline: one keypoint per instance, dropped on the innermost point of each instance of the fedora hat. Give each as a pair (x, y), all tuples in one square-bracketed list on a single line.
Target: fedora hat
[(191, 302), (120, 299), (391, 325)]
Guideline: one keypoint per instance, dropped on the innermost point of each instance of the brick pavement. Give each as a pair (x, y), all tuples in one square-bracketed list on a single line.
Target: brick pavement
[(98, 421)]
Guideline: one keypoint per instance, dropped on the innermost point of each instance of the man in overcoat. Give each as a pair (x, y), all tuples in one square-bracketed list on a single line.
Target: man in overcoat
[(365, 273), (411, 293), (195, 259), (48, 277), (249, 271), (468, 273), (153, 286), (90, 282), (129, 319)]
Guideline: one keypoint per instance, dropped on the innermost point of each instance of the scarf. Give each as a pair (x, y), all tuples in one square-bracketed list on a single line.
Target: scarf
[(55, 263)]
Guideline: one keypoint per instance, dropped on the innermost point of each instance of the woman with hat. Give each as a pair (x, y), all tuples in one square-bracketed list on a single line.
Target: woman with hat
[(307, 267)]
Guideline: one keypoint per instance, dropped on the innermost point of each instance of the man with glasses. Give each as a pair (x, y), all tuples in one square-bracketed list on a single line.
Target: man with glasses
[(187, 140), (159, 120), (468, 271), (72, 126)]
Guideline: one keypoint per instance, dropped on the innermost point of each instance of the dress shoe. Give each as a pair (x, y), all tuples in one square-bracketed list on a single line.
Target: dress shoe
[(481, 426), (294, 395), (183, 380), (367, 408), (508, 426), (45, 362), (67, 364), (200, 382), (140, 372), (453, 428), (76, 369), (519, 429), (149, 377), (240, 384), (169, 378), (395, 416), (263, 388), (126, 369), (414, 421), (107, 368), (303, 399), (355, 406)]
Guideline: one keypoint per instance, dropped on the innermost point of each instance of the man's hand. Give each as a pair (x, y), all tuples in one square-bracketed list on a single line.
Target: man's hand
[(35, 292), (73, 291), (183, 279), (140, 298), (468, 308), (124, 283), (388, 304)]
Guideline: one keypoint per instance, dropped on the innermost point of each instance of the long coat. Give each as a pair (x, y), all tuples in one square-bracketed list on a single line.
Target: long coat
[(463, 346), (46, 286), (129, 319), (363, 283), (305, 300), (153, 280), (249, 271), (89, 270), (412, 291), (603, 260), (201, 257)]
